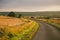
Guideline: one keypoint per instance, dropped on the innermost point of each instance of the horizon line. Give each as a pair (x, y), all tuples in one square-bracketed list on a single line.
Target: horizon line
[(29, 11)]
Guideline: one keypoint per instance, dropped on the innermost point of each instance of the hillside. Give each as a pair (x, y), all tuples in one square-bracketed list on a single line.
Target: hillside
[(46, 13), (17, 28)]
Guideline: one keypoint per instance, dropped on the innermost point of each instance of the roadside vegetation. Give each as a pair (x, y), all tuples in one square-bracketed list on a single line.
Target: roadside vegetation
[(16, 28), (52, 21), (55, 22)]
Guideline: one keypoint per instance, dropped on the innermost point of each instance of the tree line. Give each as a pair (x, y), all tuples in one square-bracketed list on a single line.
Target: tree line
[(12, 14)]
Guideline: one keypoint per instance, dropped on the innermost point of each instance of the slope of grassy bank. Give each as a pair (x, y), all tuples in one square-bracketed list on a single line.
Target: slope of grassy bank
[(54, 22), (23, 31)]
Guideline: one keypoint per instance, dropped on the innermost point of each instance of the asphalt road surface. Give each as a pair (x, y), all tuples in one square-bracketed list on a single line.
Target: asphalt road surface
[(46, 32)]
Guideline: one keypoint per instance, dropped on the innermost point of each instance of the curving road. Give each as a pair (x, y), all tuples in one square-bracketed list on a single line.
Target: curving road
[(46, 32)]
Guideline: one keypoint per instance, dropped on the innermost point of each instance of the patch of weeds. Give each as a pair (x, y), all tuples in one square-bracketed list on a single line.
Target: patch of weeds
[(10, 35), (2, 32)]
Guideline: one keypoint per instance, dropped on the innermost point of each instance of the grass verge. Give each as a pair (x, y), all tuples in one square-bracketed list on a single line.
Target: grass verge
[(26, 33)]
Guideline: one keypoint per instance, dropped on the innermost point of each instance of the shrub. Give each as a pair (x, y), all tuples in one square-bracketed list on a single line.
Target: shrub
[(11, 14)]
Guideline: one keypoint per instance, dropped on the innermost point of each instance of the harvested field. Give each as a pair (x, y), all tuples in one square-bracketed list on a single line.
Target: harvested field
[(55, 20), (9, 21), (17, 28)]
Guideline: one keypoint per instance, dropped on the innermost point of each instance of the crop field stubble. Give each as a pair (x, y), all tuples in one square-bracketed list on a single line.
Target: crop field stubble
[(16, 29), (55, 22)]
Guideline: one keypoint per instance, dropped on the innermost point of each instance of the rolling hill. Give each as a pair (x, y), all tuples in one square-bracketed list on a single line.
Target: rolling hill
[(45, 13)]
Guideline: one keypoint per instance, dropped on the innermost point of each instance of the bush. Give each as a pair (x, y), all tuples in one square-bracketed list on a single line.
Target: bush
[(11, 14), (19, 15)]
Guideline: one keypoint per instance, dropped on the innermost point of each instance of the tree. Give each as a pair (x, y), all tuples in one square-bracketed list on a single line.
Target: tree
[(47, 17), (32, 17), (19, 15), (11, 14)]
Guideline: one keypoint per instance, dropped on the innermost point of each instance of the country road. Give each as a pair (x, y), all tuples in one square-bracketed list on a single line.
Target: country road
[(46, 32)]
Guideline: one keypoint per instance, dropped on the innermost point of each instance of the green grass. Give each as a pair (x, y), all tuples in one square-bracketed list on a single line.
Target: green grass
[(55, 24), (25, 34)]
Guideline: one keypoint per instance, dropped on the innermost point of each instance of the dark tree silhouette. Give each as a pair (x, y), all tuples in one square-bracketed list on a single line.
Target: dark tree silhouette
[(32, 17), (19, 15), (11, 14), (47, 18)]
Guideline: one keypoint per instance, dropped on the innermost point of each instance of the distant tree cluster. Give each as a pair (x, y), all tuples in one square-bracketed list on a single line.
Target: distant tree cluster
[(19, 15), (12, 14), (32, 17), (47, 17)]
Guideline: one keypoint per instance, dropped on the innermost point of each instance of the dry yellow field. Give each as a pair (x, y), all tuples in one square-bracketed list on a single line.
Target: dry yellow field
[(55, 20), (16, 28), (4, 20)]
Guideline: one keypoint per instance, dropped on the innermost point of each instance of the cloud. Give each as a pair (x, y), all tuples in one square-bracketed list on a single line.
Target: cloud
[(28, 4)]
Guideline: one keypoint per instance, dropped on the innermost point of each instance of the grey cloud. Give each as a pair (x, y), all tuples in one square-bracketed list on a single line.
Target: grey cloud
[(41, 2), (27, 3), (10, 3)]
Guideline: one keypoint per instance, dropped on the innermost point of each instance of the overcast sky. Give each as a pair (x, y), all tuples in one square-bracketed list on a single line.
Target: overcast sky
[(29, 5)]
